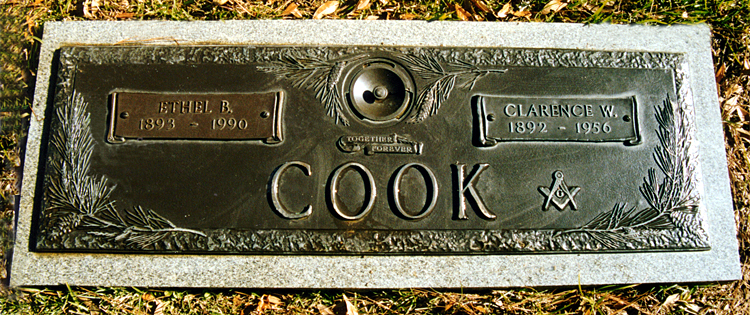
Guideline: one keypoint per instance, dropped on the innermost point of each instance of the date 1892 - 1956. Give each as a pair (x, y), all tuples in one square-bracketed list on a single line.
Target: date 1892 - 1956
[(556, 119)]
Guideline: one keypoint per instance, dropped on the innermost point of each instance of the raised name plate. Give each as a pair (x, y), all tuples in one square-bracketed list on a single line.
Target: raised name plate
[(252, 116), (522, 118), (261, 158)]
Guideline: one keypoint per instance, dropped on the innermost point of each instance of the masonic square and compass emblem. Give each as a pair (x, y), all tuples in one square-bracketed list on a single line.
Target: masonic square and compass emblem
[(559, 194)]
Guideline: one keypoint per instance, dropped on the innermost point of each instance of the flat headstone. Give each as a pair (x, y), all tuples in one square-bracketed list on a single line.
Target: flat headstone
[(347, 154)]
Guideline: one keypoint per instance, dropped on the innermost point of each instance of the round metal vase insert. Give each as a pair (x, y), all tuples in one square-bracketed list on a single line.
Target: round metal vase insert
[(379, 91)]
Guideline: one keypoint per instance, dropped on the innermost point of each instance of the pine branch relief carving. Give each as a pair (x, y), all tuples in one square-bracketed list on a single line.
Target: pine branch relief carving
[(426, 66), (312, 71), (323, 72), (673, 200), (80, 201)]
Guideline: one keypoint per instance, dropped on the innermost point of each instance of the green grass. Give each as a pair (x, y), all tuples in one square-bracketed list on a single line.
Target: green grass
[(21, 22)]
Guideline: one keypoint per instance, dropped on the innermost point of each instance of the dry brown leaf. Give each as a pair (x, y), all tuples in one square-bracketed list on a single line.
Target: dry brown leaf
[(590, 7), (462, 14), (526, 14), (617, 299), (407, 16), (350, 308), (720, 73), (159, 307), (95, 6), (372, 17), (324, 310), (236, 301), (273, 300), (124, 15), (268, 302), (220, 2), (289, 8), (734, 89), (86, 13), (326, 9), (479, 4), (693, 308), (262, 305), (242, 7), (383, 2), (504, 11), (553, 6), (188, 298), (292, 9), (670, 302), (743, 132), (362, 4), (147, 297), (93, 308), (732, 101), (90, 8)]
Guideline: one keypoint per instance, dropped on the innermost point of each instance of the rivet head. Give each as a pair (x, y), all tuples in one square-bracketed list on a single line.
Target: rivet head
[(380, 92)]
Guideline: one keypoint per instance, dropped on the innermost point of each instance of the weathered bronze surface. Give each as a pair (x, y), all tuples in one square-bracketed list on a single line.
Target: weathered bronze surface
[(369, 150)]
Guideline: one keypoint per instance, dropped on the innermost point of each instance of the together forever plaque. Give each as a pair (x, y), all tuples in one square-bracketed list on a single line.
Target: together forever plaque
[(393, 151)]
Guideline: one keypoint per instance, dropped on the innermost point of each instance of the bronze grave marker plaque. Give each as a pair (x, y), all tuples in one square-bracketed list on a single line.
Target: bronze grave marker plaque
[(373, 154), (294, 150)]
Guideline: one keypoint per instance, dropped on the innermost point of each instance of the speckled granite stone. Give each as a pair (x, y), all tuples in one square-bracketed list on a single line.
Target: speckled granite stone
[(721, 263)]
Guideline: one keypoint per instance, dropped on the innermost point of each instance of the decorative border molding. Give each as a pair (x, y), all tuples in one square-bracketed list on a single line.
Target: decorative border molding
[(672, 222), (393, 242), (518, 57), (169, 55)]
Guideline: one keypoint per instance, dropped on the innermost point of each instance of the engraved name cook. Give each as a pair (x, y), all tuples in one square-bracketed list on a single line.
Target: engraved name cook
[(373, 150)]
